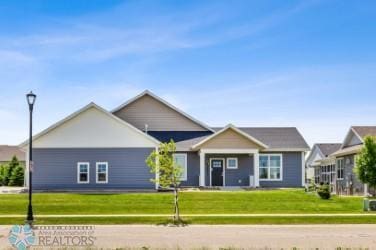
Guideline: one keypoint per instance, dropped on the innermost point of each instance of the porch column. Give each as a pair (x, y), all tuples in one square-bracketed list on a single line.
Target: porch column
[(202, 169), (256, 169)]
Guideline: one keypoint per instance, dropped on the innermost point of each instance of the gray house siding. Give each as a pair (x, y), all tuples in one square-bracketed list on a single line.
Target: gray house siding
[(233, 177), (292, 171), (193, 170), (350, 183), (57, 168)]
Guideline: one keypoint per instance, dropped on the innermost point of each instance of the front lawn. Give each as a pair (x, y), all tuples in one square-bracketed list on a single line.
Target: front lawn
[(292, 201)]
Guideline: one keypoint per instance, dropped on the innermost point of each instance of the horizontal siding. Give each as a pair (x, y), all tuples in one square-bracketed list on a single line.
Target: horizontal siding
[(57, 168), (229, 139), (193, 168), (158, 116), (292, 171)]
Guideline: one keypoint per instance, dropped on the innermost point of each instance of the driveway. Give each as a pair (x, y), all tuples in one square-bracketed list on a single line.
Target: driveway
[(214, 237)]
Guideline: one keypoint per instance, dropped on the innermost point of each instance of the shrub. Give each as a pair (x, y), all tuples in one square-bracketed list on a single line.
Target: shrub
[(17, 177), (4, 175), (311, 185), (324, 191)]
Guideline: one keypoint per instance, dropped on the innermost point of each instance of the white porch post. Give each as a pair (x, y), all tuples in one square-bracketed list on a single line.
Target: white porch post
[(202, 169), (303, 169), (256, 169)]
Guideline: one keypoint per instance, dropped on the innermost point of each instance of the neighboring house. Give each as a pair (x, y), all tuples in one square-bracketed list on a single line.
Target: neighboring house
[(320, 165), (7, 152), (346, 180), (97, 149)]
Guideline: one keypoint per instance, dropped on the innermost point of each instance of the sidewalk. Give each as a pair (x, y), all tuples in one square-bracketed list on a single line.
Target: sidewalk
[(246, 237)]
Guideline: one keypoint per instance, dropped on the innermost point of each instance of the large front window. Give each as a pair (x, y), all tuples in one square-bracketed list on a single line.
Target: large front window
[(270, 167), (181, 161)]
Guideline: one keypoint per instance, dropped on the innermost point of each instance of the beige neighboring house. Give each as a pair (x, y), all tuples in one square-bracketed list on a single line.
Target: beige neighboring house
[(7, 152)]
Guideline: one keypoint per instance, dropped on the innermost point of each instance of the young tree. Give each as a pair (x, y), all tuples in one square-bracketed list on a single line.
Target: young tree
[(168, 172), (366, 163), (17, 177)]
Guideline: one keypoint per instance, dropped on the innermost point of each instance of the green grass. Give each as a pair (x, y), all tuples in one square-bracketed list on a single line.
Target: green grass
[(237, 202), (292, 201)]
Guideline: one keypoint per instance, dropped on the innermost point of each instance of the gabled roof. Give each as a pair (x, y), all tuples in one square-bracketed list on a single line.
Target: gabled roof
[(286, 138), (7, 152), (232, 127), (360, 132), (363, 131), (75, 114), (328, 148), (149, 93)]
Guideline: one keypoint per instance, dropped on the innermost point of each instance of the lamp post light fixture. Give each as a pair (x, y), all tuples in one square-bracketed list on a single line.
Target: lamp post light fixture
[(30, 100)]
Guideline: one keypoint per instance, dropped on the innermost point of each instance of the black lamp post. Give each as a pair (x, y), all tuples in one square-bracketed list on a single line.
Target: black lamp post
[(30, 100)]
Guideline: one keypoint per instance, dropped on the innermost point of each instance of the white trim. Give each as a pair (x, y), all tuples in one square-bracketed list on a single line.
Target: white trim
[(229, 151), (79, 172), (343, 167), (202, 169), (281, 173), (75, 114), (223, 167), (147, 92), (345, 141), (286, 150), (256, 166), (96, 172), (303, 170), (185, 177), (230, 126), (236, 162)]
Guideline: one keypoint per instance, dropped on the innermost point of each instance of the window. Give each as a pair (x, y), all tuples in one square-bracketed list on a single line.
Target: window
[(83, 169), (340, 169), (232, 163), (102, 172), (270, 167), (181, 161)]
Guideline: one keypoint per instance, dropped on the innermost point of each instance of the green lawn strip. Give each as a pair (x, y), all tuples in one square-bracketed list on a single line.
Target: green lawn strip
[(237, 202), (196, 220)]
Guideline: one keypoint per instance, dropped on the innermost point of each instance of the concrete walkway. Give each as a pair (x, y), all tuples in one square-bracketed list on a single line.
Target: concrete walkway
[(245, 237)]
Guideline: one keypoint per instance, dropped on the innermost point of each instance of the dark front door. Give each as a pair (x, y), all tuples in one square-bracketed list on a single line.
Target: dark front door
[(217, 172)]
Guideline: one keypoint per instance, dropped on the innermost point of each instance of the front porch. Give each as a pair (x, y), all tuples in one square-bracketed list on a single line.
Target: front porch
[(229, 168)]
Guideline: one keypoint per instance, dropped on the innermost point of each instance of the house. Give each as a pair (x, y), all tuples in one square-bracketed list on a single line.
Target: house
[(320, 165), (97, 149), (7, 152), (345, 157)]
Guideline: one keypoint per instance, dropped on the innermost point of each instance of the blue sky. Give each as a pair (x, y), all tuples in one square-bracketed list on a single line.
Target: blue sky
[(309, 64)]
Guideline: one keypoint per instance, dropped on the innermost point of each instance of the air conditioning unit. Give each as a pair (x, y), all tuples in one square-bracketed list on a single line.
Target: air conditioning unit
[(372, 205)]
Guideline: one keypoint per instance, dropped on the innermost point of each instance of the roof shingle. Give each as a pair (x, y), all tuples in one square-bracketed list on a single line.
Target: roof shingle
[(7, 152)]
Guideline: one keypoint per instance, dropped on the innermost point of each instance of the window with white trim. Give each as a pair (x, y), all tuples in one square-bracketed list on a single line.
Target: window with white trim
[(102, 172), (83, 169), (340, 169), (232, 163), (181, 161), (270, 167)]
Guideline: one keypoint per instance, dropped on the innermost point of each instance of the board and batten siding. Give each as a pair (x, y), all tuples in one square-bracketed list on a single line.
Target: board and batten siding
[(57, 168), (292, 171), (157, 115)]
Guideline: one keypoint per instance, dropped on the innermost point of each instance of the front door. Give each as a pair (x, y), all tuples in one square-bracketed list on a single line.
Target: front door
[(217, 172)]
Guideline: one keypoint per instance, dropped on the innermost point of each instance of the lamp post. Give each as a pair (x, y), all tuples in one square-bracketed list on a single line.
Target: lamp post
[(30, 100)]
